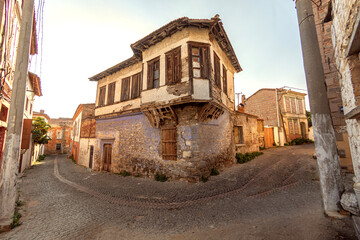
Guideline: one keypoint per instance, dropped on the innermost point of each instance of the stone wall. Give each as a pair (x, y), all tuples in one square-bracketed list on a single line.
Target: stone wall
[(345, 13), (263, 104), (323, 27), (137, 147), (84, 151)]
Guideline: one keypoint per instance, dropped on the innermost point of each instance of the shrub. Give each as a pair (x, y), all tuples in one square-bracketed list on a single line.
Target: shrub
[(299, 141), (160, 177), (124, 173), (204, 179), (16, 219), (214, 172), (243, 158), (41, 158)]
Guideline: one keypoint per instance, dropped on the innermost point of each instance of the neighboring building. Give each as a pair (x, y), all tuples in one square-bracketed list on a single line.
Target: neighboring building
[(323, 21), (282, 110), (33, 88), (60, 133), (83, 137), (168, 109), (10, 22)]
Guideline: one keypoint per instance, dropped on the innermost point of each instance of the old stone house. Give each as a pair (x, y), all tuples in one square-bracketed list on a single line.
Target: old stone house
[(168, 108), (282, 110), (323, 20), (83, 137), (60, 133)]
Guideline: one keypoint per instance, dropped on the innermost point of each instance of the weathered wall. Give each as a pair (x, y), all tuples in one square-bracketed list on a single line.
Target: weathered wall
[(345, 14), (263, 104), (332, 80), (252, 135), (84, 151), (137, 146), (65, 126)]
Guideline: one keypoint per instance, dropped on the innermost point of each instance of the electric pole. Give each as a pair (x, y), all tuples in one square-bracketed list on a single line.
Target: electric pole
[(8, 191), (325, 142)]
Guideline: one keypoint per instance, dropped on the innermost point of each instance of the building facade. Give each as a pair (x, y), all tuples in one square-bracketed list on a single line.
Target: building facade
[(60, 134), (83, 137), (168, 109), (283, 110), (323, 20)]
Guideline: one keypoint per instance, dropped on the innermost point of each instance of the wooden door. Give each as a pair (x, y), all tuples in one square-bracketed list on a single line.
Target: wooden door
[(169, 143), (269, 137), (91, 156), (107, 157), (303, 130)]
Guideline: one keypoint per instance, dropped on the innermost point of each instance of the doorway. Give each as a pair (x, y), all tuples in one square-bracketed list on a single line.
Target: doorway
[(303, 130), (91, 156), (107, 157)]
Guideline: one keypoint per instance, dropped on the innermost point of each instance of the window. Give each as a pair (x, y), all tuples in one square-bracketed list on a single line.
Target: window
[(26, 104), (287, 104), (296, 126), (169, 143), (173, 66), (217, 70), (111, 93), (58, 146), (102, 96), (224, 80), (59, 134), (301, 108), (199, 62), (125, 89), (239, 135), (293, 106), (291, 127), (153, 74), (136, 85)]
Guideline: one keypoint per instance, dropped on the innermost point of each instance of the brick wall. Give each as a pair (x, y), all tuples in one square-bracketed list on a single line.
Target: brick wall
[(263, 105)]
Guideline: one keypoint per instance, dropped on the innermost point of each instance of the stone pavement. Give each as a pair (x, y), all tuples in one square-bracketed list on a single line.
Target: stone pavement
[(275, 196)]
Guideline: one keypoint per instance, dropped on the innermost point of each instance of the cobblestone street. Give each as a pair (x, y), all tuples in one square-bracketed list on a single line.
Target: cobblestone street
[(275, 196)]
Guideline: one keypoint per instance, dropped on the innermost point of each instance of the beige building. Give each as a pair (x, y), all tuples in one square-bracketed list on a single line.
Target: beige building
[(283, 110), (168, 109)]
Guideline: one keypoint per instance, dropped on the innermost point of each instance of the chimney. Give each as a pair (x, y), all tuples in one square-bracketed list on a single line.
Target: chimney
[(42, 111)]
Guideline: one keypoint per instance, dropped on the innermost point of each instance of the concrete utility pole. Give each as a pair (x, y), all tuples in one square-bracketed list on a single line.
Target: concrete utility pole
[(325, 142), (11, 153)]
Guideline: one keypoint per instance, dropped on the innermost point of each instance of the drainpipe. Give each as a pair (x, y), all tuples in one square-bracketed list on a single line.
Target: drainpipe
[(325, 142)]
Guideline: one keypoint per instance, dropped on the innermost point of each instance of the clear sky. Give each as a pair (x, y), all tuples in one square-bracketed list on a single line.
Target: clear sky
[(84, 37)]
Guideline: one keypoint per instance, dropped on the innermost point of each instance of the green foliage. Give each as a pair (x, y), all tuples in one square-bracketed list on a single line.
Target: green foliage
[(160, 177), (204, 179), (214, 172), (41, 158), (243, 158), (299, 141), (19, 203), (72, 158), (124, 173), (308, 116), (16, 219), (262, 148), (40, 130)]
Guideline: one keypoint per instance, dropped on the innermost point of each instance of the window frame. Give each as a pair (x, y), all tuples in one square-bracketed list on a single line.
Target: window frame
[(217, 70), (111, 93), (101, 99), (204, 59), (239, 138), (125, 89), (136, 89), (173, 69), (150, 75)]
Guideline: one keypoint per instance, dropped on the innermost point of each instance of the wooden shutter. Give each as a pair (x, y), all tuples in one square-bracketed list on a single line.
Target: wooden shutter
[(217, 70), (204, 61), (224, 79), (177, 65), (125, 89), (102, 96), (293, 106), (134, 86), (287, 103), (26, 134), (111, 93), (150, 75), (236, 135), (169, 143), (169, 68)]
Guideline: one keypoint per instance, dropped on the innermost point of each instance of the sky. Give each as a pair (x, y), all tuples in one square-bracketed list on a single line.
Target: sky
[(81, 38)]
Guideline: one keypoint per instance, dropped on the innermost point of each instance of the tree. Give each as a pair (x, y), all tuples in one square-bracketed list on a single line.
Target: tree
[(40, 130), (308, 115)]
